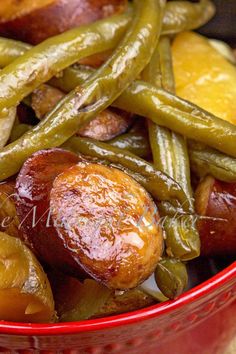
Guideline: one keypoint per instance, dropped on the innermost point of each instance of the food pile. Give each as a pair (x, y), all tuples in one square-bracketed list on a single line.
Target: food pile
[(117, 154)]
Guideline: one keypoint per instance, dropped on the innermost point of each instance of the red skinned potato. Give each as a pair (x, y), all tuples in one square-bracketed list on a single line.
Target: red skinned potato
[(108, 223), (106, 126), (33, 21), (33, 185), (216, 203)]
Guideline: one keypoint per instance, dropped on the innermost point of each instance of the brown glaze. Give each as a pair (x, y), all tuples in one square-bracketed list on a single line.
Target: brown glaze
[(217, 201), (35, 23), (108, 223), (106, 126), (33, 185)]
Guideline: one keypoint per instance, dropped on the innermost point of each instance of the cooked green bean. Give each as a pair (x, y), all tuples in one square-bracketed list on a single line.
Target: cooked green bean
[(19, 130), (206, 161), (178, 115), (136, 143), (157, 183), (11, 50), (85, 102), (165, 109), (169, 149), (170, 155), (189, 15), (183, 245), (179, 16), (171, 277), (47, 59), (7, 119)]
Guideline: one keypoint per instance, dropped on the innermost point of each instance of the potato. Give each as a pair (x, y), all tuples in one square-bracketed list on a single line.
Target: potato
[(106, 126), (25, 293), (33, 21), (107, 223), (216, 203), (9, 222), (203, 76)]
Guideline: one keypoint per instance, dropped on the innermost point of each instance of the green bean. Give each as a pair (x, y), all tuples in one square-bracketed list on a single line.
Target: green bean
[(11, 50), (136, 143), (178, 115), (169, 150), (206, 161), (179, 16), (50, 57), (183, 245), (19, 130), (7, 119), (171, 277), (84, 103), (167, 110), (170, 155), (157, 183), (190, 16)]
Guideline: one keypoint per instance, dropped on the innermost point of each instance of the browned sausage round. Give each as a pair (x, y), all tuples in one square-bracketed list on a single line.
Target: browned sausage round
[(216, 204), (33, 185), (33, 21)]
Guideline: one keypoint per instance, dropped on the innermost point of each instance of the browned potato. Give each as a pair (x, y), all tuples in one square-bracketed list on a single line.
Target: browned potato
[(106, 126), (216, 203), (9, 221), (33, 21), (108, 224)]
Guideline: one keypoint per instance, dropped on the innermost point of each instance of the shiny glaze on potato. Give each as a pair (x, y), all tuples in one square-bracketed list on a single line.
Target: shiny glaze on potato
[(216, 203), (108, 223)]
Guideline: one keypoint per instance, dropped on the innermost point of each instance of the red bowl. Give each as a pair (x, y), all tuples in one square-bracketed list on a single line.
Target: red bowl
[(200, 321)]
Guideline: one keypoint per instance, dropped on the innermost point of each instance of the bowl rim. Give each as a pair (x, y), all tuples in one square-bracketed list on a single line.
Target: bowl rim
[(205, 288)]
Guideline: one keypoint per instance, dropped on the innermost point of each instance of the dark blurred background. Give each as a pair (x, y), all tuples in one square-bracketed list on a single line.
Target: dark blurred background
[(223, 26)]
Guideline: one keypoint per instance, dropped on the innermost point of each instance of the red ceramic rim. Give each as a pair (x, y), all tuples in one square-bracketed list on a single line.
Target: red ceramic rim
[(203, 289)]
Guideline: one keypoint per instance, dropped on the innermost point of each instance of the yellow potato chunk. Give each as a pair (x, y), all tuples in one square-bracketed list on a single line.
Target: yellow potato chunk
[(25, 292), (203, 76)]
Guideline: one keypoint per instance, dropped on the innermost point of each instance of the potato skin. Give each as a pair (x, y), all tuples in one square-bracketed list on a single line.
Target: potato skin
[(217, 201), (57, 17), (108, 223), (33, 185)]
